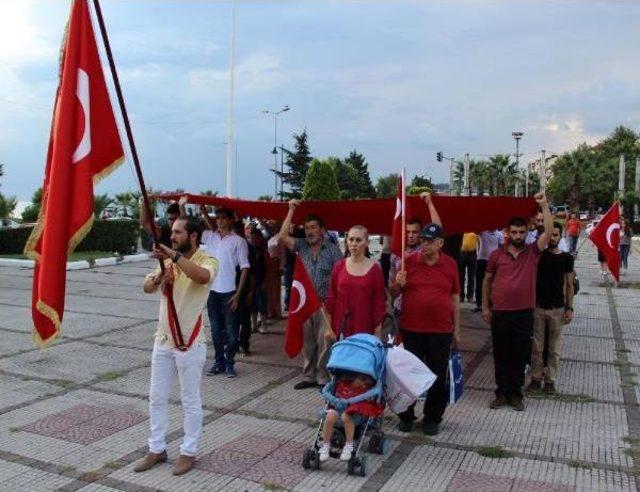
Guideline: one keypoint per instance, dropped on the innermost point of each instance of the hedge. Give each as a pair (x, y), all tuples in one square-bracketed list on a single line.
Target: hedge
[(118, 236)]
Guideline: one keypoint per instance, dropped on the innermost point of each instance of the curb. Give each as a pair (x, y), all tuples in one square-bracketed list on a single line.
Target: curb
[(83, 264)]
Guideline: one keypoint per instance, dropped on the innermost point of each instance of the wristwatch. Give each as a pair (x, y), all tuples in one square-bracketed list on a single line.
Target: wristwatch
[(176, 257)]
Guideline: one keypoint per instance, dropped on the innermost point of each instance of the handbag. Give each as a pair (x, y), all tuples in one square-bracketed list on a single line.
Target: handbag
[(406, 378), (454, 377)]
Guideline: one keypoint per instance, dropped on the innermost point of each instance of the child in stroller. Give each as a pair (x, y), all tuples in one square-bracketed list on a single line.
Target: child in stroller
[(357, 366)]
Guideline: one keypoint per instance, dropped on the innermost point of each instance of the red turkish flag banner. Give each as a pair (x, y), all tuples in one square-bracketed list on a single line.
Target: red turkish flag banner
[(606, 237), (397, 229), (84, 146), (303, 303)]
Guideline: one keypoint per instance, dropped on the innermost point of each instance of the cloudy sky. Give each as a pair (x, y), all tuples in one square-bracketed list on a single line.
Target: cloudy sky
[(396, 80)]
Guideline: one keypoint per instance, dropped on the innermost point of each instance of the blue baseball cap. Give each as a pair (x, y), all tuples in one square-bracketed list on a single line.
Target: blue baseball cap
[(431, 231)]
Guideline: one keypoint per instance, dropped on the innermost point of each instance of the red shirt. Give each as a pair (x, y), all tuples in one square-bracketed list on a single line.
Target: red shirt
[(573, 227), (427, 304), (363, 297), (514, 279)]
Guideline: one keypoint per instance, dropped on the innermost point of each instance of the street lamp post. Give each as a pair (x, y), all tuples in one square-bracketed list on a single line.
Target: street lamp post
[(275, 115), (517, 136)]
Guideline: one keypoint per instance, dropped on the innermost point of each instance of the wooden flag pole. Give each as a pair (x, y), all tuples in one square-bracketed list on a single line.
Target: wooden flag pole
[(180, 345), (403, 208)]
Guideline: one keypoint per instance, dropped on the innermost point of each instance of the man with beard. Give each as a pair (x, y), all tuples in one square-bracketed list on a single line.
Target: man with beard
[(509, 286), (554, 307), (188, 273), (318, 255), (538, 228)]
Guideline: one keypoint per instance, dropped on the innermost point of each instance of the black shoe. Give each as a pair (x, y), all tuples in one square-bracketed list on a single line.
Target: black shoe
[(549, 388), (517, 403), (499, 402), (430, 428), (405, 426), (214, 370), (534, 385), (304, 385)]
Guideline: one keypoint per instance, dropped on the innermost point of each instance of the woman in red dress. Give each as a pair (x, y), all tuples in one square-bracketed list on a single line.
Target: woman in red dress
[(356, 291)]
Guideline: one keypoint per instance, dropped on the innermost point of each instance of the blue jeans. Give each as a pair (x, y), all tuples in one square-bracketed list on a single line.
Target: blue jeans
[(224, 328)]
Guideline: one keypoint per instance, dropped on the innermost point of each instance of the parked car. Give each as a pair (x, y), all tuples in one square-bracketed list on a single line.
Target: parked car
[(584, 215), (8, 224), (591, 225), (561, 210)]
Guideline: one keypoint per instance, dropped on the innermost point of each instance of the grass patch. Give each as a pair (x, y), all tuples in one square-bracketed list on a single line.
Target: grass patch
[(620, 363), (564, 397), (494, 452), (623, 351), (14, 429), (75, 256), (632, 452), (580, 464), (272, 486), (112, 465), (64, 383), (630, 384), (634, 441), (417, 437), (110, 376)]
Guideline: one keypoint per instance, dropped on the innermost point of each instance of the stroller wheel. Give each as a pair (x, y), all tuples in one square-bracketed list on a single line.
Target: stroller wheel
[(363, 466), (351, 465), (377, 443), (316, 460), (307, 458)]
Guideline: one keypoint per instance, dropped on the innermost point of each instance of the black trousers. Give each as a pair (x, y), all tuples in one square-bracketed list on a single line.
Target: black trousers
[(385, 263), (244, 321), (467, 268), (481, 268), (432, 349), (511, 333)]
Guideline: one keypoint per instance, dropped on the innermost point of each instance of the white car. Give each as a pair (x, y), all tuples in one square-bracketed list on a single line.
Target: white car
[(8, 224), (591, 225)]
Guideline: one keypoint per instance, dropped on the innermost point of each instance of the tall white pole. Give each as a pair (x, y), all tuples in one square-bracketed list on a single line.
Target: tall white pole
[(403, 208), (467, 180), (232, 68), (621, 172), (543, 171)]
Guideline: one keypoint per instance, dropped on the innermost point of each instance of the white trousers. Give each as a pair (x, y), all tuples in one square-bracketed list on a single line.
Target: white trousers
[(166, 362)]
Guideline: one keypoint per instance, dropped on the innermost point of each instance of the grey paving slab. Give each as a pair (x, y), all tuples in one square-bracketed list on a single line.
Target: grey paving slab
[(585, 349), (14, 476), (630, 329), (589, 327), (14, 391), (75, 361)]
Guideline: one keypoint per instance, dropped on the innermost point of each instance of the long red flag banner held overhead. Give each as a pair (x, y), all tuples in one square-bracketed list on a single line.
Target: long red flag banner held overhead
[(84, 146), (606, 237), (304, 302), (459, 214)]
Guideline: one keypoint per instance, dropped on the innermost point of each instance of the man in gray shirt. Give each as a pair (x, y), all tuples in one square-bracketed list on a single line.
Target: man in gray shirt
[(318, 256)]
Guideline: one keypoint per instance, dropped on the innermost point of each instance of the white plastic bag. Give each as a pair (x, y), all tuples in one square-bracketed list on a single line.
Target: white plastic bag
[(407, 377)]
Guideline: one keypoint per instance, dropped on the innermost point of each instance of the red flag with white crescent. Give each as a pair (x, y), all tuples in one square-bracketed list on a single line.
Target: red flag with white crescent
[(303, 303), (606, 237), (84, 146), (397, 229)]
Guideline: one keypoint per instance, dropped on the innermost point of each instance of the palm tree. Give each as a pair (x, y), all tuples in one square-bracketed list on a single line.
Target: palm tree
[(100, 202), (503, 173), (123, 200)]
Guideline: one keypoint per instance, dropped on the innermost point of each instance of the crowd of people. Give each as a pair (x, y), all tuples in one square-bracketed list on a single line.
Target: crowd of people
[(519, 278)]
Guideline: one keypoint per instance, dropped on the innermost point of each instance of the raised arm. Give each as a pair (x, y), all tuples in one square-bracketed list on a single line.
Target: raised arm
[(205, 215), (144, 219), (435, 217), (284, 237), (543, 240)]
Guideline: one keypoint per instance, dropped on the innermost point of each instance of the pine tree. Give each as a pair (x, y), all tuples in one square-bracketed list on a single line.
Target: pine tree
[(297, 163), (320, 182), (364, 188)]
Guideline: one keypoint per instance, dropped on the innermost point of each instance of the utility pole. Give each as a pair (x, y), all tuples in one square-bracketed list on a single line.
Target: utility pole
[(467, 180), (275, 115), (517, 136), (543, 171)]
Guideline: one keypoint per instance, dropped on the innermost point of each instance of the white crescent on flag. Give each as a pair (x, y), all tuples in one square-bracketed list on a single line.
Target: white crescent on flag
[(613, 227), (82, 91), (398, 208), (302, 293)]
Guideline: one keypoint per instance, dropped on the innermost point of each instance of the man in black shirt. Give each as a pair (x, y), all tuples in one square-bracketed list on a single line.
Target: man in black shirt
[(554, 306)]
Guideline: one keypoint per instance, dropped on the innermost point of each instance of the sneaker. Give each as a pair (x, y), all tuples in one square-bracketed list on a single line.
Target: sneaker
[(499, 402), (214, 370), (304, 385), (534, 385), (324, 452), (430, 428), (231, 372), (517, 403), (405, 426), (549, 388), (347, 451)]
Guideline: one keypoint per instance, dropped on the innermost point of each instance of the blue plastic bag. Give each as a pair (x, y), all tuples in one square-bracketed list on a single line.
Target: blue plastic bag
[(454, 376)]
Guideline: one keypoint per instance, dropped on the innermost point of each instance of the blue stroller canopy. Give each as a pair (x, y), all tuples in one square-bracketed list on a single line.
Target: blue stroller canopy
[(362, 353)]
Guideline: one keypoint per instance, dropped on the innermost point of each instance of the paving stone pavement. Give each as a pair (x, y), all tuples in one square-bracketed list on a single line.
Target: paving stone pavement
[(74, 416)]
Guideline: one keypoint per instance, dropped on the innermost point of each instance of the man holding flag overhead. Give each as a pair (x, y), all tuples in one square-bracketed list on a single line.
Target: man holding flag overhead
[(606, 237), (318, 255), (84, 147)]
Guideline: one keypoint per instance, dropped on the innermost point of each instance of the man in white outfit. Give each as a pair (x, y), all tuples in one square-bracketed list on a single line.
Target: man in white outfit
[(180, 348)]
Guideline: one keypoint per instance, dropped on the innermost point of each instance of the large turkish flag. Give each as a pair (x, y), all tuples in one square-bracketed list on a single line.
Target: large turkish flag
[(606, 237), (84, 146)]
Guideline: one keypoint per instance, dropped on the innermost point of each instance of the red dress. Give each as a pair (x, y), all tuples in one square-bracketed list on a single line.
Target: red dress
[(362, 297), (346, 389)]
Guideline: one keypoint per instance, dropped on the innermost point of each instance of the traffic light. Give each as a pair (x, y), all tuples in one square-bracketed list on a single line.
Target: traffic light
[(439, 156)]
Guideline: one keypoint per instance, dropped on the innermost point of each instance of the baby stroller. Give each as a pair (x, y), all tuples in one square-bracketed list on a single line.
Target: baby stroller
[(357, 354)]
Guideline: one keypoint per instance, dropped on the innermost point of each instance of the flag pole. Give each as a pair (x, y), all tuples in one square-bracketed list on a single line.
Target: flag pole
[(180, 345), (403, 209)]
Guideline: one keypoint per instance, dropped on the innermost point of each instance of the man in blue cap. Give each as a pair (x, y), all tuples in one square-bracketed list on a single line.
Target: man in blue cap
[(430, 319)]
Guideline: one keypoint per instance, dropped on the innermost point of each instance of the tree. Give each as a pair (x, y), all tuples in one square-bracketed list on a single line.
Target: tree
[(420, 184), (265, 198), (480, 177), (100, 202), (7, 206), (124, 201), (364, 187), (320, 182), (30, 214), (387, 186), (503, 173), (297, 163), (209, 193)]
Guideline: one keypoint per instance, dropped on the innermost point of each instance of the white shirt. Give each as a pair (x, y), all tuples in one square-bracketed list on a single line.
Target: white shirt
[(532, 237), (231, 251), (489, 242)]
